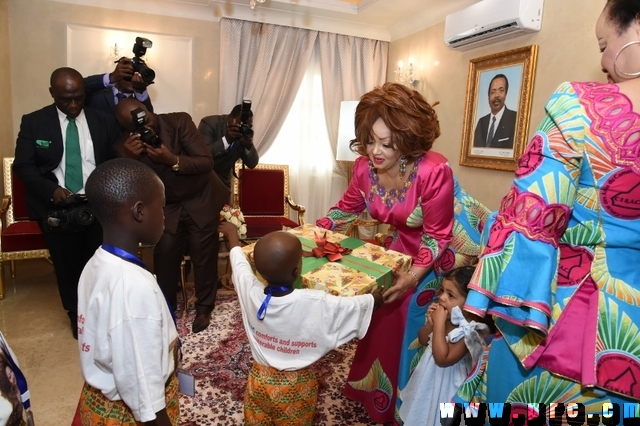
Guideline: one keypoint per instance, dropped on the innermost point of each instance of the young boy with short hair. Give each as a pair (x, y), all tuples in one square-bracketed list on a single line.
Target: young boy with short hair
[(289, 329), (129, 346)]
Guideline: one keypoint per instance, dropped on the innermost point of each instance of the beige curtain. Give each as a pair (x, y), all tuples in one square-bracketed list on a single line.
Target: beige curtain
[(264, 63), (350, 67)]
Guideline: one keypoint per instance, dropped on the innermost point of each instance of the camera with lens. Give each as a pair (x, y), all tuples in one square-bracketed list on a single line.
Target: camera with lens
[(147, 135), (245, 115), (73, 213), (139, 65)]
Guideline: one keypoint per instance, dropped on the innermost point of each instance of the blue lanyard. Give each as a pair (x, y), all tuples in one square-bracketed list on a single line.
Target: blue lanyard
[(262, 312), (125, 255), (22, 381)]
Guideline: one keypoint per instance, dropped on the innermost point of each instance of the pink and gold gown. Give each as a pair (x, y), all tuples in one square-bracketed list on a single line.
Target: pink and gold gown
[(439, 225)]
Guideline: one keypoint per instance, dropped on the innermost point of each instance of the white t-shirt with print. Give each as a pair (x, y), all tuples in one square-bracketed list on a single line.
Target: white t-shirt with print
[(128, 341), (298, 328)]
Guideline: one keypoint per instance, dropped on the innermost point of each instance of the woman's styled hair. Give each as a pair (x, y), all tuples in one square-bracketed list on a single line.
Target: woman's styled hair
[(622, 13), (413, 123)]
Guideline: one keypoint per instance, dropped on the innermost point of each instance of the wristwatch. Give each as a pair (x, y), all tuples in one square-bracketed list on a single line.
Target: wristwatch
[(176, 167)]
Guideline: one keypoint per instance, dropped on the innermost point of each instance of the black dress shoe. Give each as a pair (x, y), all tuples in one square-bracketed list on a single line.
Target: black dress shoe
[(201, 322)]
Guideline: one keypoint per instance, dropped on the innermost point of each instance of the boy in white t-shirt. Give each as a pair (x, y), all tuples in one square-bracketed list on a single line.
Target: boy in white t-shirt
[(129, 347), (289, 329)]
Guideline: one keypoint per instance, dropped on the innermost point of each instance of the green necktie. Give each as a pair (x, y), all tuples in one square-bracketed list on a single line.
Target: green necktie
[(73, 159)]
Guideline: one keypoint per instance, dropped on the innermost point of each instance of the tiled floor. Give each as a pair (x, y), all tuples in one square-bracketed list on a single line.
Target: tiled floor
[(37, 329)]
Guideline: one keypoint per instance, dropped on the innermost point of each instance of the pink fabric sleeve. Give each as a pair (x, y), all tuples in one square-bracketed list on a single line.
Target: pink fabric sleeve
[(352, 203), (436, 193)]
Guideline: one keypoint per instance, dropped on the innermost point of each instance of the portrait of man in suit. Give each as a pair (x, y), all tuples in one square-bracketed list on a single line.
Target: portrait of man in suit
[(496, 129)]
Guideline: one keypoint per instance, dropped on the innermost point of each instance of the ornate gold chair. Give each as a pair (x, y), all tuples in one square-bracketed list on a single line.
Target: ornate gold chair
[(262, 193), (21, 238)]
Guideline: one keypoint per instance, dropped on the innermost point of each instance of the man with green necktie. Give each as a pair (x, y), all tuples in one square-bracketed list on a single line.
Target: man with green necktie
[(57, 148)]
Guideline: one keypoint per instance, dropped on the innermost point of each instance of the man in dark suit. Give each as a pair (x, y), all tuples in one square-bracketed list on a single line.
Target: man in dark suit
[(104, 91), (497, 129), (227, 143), (57, 148), (194, 197)]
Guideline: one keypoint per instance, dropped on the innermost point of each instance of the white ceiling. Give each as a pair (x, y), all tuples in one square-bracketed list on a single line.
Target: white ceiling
[(379, 19)]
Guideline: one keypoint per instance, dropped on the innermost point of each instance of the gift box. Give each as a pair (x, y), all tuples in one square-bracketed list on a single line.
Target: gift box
[(365, 268)]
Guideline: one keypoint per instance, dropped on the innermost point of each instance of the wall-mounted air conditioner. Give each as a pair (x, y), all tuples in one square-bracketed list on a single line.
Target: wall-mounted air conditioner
[(491, 20)]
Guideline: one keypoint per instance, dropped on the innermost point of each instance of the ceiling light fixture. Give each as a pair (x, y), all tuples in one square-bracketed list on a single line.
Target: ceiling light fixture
[(253, 3)]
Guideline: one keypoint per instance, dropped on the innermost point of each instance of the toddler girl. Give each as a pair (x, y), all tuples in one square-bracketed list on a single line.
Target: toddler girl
[(453, 346)]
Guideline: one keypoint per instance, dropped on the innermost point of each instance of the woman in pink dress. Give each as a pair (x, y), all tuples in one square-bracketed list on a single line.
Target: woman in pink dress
[(400, 181)]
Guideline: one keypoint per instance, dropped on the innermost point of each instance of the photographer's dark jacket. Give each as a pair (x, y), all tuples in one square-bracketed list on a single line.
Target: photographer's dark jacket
[(195, 188), (100, 97), (213, 128), (39, 150)]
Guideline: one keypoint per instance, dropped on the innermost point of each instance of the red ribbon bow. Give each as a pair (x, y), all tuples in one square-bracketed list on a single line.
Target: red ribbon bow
[(332, 251)]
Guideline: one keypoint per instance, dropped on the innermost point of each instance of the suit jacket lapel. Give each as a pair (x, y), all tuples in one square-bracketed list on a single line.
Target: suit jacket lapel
[(53, 123)]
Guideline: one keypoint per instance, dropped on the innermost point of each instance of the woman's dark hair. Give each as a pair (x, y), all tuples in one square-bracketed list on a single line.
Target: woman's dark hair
[(413, 123), (622, 13)]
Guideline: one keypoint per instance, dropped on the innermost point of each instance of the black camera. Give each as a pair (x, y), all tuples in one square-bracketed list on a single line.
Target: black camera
[(139, 65), (147, 135), (245, 115), (73, 213)]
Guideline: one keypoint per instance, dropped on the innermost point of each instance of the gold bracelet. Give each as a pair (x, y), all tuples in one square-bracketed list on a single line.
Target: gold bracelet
[(415, 277)]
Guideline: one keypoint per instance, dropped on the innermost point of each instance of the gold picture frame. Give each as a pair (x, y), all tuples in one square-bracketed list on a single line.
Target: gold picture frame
[(499, 146)]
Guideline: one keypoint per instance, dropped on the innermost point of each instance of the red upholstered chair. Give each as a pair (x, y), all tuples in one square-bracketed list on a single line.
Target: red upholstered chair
[(21, 238), (263, 196)]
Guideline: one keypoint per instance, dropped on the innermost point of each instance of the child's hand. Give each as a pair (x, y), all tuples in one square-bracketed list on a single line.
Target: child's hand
[(231, 232), (440, 314), (432, 308)]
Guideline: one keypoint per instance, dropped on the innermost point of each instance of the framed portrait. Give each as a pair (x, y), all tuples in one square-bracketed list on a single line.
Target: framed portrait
[(498, 108)]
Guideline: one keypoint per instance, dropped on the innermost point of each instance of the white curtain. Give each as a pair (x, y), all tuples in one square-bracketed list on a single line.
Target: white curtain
[(303, 144), (351, 66), (296, 79), (264, 63)]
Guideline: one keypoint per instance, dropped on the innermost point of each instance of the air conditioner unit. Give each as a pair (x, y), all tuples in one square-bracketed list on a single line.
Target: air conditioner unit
[(491, 20)]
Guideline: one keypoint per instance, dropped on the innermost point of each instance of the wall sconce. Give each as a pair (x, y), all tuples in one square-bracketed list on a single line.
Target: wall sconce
[(406, 75), (115, 52)]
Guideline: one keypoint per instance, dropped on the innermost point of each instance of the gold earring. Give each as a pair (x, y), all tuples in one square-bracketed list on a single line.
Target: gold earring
[(615, 61), (403, 166)]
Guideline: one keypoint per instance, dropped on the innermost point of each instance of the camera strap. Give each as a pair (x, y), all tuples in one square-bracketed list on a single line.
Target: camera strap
[(236, 147)]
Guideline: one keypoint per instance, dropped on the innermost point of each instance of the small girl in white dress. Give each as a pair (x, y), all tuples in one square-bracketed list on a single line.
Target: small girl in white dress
[(453, 345)]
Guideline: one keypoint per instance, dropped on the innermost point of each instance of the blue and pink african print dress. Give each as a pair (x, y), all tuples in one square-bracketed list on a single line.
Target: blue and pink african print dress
[(560, 270)]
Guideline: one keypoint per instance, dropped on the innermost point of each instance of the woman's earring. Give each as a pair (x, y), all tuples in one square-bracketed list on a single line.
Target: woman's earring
[(403, 166), (370, 164), (615, 61)]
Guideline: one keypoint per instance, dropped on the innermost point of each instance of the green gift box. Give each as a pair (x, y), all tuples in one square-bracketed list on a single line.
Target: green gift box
[(362, 271)]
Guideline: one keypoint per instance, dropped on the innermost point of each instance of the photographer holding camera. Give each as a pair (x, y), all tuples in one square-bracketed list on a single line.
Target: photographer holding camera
[(130, 78), (229, 138), (57, 148), (171, 145)]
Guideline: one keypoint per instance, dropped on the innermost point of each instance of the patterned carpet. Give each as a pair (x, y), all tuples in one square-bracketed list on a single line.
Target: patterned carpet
[(220, 358)]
